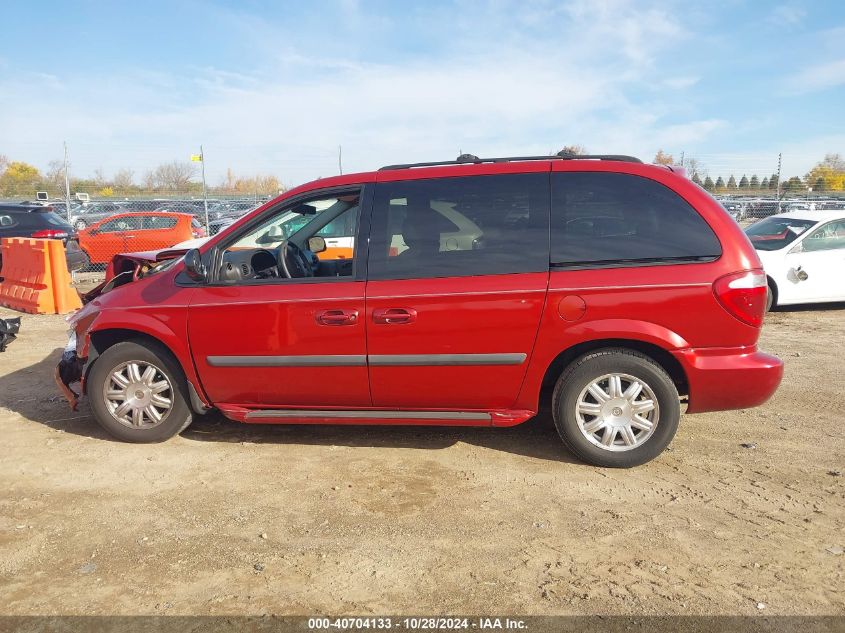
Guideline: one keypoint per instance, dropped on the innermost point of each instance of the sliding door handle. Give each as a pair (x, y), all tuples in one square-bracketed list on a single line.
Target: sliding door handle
[(394, 316)]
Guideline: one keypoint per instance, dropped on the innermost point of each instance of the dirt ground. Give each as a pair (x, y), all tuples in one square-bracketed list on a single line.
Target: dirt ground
[(236, 519)]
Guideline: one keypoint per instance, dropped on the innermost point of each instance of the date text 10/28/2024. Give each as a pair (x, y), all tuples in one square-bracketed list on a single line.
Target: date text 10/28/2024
[(416, 624)]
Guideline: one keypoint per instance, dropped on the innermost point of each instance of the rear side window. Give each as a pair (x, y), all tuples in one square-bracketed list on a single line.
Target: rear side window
[(158, 222), (40, 220), (458, 227), (605, 219)]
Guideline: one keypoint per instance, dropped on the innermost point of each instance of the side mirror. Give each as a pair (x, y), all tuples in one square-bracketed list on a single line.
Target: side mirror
[(194, 267), (316, 244)]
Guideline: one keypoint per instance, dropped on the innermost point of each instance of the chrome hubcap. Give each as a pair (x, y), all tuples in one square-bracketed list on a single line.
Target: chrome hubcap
[(617, 412), (138, 395)]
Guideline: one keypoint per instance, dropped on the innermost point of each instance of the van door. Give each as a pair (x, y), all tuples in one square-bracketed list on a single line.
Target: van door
[(457, 277), (821, 258), (258, 338)]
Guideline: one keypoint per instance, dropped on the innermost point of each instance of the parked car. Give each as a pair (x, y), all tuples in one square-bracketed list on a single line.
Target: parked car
[(60, 208), (35, 220), (194, 207), (467, 291), (93, 212), (803, 254), (145, 231), (762, 208), (831, 205), (735, 208)]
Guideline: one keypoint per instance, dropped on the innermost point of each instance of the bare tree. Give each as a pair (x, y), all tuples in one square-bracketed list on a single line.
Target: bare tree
[(56, 173), (4, 162), (100, 178), (573, 150), (694, 168), (124, 179), (173, 176), (834, 162)]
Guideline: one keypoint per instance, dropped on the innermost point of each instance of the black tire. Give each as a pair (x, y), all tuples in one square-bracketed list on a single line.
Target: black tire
[(770, 299), (173, 422), (80, 224), (582, 372)]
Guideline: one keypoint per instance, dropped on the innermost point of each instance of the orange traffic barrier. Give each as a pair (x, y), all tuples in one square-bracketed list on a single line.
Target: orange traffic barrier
[(36, 278)]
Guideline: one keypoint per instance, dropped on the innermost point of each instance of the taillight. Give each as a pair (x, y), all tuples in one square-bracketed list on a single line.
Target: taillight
[(50, 234), (743, 295)]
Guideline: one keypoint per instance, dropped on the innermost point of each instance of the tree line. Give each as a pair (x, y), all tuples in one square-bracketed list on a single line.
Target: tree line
[(18, 178), (828, 175)]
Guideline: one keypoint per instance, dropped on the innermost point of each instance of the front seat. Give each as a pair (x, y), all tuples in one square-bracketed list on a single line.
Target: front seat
[(420, 233)]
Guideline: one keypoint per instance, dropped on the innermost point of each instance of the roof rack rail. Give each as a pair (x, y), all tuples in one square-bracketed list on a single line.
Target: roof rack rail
[(469, 159)]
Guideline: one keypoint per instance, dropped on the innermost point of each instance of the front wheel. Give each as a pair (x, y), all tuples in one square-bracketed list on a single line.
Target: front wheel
[(138, 393), (80, 224), (616, 408)]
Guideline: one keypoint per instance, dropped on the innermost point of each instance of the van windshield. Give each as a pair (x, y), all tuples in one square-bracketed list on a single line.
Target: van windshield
[(773, 233)]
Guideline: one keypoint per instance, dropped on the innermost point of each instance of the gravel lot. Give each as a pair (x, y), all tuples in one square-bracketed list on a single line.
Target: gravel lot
[(236, 519)]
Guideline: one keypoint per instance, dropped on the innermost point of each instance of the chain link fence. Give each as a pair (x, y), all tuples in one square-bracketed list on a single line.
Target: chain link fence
[(116, 215), (103, 228)]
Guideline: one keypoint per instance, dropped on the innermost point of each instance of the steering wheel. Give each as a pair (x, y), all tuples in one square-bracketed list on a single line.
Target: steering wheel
[(293, 262)]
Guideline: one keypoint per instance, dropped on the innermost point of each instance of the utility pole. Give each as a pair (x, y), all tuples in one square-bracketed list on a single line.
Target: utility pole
[(340, 159), (777, 190), (204, 192), (67, 189), (682, 159)]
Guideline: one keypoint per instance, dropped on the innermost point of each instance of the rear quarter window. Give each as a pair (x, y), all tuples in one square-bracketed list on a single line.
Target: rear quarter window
[(41, 220), (606, 219), (157, 222)]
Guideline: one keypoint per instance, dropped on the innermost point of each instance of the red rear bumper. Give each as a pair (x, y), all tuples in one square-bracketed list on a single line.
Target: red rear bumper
[(729, 378)]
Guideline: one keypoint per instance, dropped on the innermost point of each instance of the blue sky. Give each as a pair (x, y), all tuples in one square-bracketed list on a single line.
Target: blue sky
[(275, 87)]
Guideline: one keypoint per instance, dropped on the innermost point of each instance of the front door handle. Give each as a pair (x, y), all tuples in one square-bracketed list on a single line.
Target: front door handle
[(394, 316), (337, 317)]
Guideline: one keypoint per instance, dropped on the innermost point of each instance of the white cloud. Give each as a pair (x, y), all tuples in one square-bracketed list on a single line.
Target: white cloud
[(786, 15), (679, 83), (819, 77), (570, 74)]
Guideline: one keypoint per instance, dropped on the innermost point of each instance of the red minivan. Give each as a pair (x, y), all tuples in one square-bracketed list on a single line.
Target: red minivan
[(472, 284)]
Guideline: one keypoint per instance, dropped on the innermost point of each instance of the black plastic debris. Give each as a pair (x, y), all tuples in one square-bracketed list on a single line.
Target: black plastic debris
[(9, 329), (68, 371)]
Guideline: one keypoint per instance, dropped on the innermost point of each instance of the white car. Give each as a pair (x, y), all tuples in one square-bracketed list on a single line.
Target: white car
[(803, 254)]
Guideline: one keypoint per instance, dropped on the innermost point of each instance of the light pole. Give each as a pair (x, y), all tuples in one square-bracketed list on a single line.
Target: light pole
[(67, 190), (200, 158)]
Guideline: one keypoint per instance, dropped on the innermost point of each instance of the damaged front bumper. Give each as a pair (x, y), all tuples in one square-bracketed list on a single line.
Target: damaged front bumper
[(123, 269)]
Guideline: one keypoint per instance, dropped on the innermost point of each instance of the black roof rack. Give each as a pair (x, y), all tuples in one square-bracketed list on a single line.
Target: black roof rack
[(468, 159)]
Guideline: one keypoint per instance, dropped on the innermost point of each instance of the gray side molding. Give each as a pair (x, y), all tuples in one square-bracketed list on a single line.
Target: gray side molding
[(288, 361), (399, 360)]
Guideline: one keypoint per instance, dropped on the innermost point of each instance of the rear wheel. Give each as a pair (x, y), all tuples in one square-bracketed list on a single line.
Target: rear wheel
[(138, 393), (80, 224), (616, 408)]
